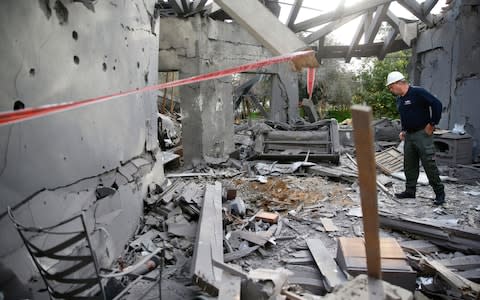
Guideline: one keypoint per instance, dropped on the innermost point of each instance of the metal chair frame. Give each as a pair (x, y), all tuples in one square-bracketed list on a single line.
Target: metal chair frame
[(84, 284)]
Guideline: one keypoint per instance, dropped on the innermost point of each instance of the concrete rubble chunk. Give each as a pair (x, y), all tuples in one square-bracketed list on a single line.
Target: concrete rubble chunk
[(363, 287)]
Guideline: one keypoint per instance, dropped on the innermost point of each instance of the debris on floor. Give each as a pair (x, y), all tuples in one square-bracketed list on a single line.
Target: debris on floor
[(263, 229)]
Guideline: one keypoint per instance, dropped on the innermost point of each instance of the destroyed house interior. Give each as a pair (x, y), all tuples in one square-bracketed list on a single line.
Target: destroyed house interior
[(179, 149)]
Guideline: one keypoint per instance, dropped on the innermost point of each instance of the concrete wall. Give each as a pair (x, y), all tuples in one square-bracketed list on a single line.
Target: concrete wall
[(200, 45), (447, 62), (57, 51)]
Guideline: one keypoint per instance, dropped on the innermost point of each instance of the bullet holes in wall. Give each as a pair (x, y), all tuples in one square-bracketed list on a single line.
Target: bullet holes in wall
[(76, 60), (32, 72), (74, 35), (104, 67), (18, 105)]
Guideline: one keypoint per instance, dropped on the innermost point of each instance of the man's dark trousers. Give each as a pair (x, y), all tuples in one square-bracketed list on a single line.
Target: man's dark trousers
[(419, 146)]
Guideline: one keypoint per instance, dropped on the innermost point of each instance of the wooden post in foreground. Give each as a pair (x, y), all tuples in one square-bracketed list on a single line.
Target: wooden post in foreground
[(365, 153)]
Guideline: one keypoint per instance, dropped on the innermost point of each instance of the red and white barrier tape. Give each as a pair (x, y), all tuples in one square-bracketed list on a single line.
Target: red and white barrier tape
[(11, 117)]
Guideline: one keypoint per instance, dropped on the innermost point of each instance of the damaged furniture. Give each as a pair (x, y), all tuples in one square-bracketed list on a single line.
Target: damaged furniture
[(317, 142), (66, 260)]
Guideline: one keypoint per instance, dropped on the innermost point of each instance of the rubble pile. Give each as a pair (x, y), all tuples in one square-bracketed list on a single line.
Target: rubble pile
[(260, 229)]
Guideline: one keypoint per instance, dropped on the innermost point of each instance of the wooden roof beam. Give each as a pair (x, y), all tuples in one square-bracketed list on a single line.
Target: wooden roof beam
[(376, 22), (356, 38), (292, 16), (328, 17), (359, 51), (328, 28), (407, 31), (428, 5), (417, 11), (197, 5), (387, 43)]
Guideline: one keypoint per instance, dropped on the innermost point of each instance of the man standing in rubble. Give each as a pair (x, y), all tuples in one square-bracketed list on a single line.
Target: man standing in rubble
[(419, 112)]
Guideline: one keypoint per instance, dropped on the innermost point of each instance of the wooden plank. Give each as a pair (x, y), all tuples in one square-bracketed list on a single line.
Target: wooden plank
[(371, 33), (462, 263), (334, 15), (422, 246), (464, 239), (209, 243), (356, 38), (414, 7), (292, 16), (327, 265), (328, 225), (239, 253), (364, 145), (469, 289)]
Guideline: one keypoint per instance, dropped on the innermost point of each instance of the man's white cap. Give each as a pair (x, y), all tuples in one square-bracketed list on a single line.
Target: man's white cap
[(394, 77)]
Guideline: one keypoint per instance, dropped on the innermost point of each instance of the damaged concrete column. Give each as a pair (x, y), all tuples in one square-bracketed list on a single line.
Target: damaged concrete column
[(207, 119), (284, 104), (196, 46)]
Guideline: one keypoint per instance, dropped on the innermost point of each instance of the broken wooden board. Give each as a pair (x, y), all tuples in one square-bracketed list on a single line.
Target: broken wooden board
[(464, 239), (389, 160), (462, 263), (468, 289), (258, 238), (362, 118), (333, 275), (308, 277), (333, 173), (209, 243), (228, 257), (328, 225), (422, 246)]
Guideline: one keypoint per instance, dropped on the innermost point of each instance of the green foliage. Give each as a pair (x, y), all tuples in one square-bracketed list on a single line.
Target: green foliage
[(373, 91), (339, 114)]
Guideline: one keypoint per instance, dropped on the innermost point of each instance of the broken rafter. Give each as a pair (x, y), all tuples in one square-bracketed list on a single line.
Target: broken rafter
[(387, 43), (359, 51), (407, 32), (331, 16), (428, 5), (462, 239), (375, 24), (356, 38), (328, 28), (197, 5), (292, 16), (333, 275), (416, 10)]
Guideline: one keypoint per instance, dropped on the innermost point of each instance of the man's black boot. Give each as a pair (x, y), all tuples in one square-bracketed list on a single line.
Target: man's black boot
[(440, 198), (405, 194)]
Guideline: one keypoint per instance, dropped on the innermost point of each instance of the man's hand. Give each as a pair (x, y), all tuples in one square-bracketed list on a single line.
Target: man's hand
[(429, 129), (401, 135)]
